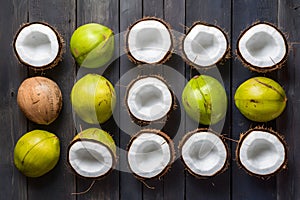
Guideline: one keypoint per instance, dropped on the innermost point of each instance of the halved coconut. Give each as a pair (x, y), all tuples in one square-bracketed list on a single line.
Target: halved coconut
[(92, 153), (38, 45), (149, 40), (261, 152), (204, 153), (150, 154), (204, 45), (149, 99), (262, 47)]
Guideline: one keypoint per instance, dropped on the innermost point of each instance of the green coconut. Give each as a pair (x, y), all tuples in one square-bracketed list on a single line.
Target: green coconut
[(93, 98), (92, 153), (92, 45), (260, 99), (204, 99), (36, 153)]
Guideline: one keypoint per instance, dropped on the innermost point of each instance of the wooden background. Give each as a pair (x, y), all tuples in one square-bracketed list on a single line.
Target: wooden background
[(231, 15)]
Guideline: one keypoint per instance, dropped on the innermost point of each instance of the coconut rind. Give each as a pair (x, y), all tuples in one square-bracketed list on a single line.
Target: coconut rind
[(187, 136), (60, 52), (172, 151), (221, 61), (168, 54), (257, 68), (145, 122), (114, 159), (271, 131)]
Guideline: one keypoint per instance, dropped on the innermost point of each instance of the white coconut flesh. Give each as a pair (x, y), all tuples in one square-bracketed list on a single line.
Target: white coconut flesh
[(205, 45), (262, 153), (149, 155), (149, 99), (262, 46), (37, 45), (149, 41), (90, 159), (204, 153)]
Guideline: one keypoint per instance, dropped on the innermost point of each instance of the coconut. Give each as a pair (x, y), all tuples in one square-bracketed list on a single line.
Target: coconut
[(40, 99), (149, 40), (261, 152), (205, 45), (36, 153), (38, 45), (262, 47), (150, 154), (204, 99), (93, 98), (92, 153), (149, 99), (204, 153), (92, 45), (260, 99)]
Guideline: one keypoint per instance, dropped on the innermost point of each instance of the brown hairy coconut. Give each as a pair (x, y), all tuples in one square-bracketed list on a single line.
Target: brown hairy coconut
[(204, 153), (149, 40), (261, 152), (262, 47), (40, 99), (38, 45), (205, 45), (150, 154)]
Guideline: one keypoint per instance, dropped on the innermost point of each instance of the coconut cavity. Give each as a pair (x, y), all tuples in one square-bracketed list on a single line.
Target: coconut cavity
[(204, 45), (38, 45), (149, 99), (204, 153), (92, 153), (149, 40), (150, 154), (261, 152), (262, 47)]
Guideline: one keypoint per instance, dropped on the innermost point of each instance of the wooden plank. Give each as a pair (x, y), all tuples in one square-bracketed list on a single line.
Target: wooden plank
[(288, 123), (106, 13), (217, 13), (130, 187), (244, 14), (13, 124), (59, 183), (174, 180)]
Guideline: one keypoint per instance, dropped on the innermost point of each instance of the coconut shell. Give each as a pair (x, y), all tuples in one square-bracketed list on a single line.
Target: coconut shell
[(187, 136), (271, 131), (172, 150), (144, 122), (40, 99), (257, 68), (167, 56), (59, 53), (221, 61)]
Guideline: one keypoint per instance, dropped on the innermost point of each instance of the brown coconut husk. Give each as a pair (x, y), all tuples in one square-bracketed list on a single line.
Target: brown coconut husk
[(41, 106), (187, 136), (257, 68), (172, 150), (145, 122), (221, 61), (60, 52), (168, 54), (271, 131)]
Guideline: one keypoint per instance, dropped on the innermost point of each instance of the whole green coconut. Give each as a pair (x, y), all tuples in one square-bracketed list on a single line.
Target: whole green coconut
[(204, 99), (36, 153), (92, 45), (260, 99), (93, 98)]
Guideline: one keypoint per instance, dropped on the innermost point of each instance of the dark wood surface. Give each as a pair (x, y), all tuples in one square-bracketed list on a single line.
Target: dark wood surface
[(231, 15)]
